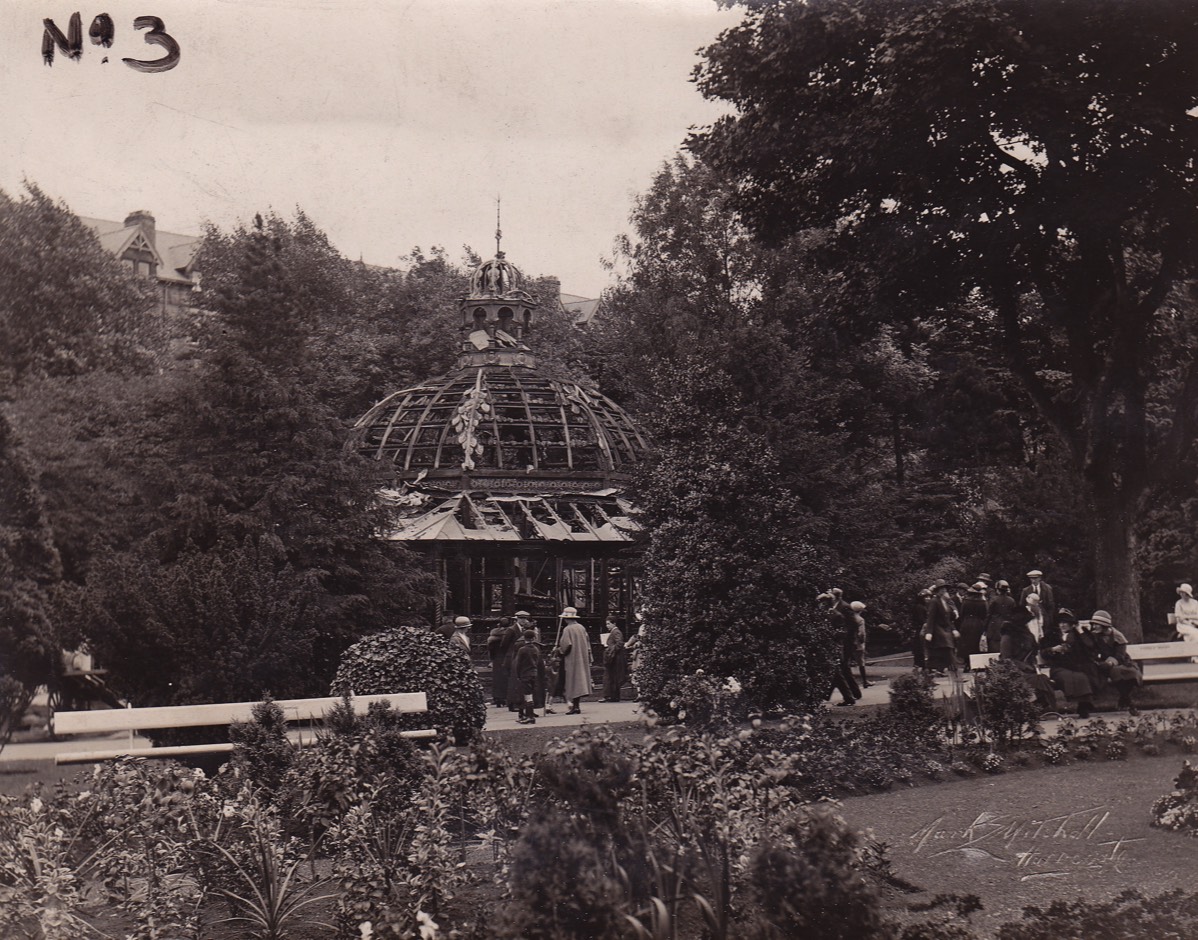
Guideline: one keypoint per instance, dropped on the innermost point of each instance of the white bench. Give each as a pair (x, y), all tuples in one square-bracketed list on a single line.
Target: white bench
[(978, 661), (106, 721), (1160, 662), (1166, 662)]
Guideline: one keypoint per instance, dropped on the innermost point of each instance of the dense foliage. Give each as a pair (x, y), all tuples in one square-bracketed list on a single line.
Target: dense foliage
[(407, 659), (66, 308), (1017, 172), (669, 834)]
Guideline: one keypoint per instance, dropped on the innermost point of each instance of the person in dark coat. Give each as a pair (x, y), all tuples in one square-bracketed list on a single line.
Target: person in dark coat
[(496, 652), (1043, 590), (527, 667), (940, 630), (615, 663), (1018, 646), (1002, 611), (508, 645), (1090, 657), (971, 626), (919, 617), (1069, 663)]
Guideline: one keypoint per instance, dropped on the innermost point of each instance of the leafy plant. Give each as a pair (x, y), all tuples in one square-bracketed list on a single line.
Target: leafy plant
[(1006, 708), (409, 660), (265, 886), (261, 751), (808, 881)]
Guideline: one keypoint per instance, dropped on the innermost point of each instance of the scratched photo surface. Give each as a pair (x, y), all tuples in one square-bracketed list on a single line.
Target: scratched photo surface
[(1017, 839), (392, 125), (398, 124)]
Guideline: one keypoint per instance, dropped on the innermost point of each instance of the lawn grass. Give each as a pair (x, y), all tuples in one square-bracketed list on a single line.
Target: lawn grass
[(1032, 837)]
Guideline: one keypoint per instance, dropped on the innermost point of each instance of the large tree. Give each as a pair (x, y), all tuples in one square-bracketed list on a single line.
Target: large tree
[(67, 309), (1023, 170)]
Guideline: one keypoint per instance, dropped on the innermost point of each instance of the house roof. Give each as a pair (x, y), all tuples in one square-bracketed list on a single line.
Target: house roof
[(176, 252), (583, 309)]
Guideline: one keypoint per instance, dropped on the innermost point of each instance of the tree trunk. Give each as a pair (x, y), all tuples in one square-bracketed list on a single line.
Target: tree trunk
[(1116, 581)]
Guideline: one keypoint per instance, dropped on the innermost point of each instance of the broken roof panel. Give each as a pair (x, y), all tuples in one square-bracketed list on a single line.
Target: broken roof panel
[(477, 516)]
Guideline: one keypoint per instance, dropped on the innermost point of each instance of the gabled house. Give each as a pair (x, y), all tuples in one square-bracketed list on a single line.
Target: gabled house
[(166, 258)]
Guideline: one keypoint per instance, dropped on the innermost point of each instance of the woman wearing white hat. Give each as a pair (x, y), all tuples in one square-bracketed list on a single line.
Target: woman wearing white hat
[(1185, 613), (574, 647)]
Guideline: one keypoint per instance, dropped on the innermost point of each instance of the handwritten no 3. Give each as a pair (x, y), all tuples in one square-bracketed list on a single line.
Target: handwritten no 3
[(101, 33)]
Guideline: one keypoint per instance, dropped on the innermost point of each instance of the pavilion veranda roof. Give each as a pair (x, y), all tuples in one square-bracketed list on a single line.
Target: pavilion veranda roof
[(600, 516)]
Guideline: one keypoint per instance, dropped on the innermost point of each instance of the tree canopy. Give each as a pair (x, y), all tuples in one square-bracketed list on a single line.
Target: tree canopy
[(1022, 170)]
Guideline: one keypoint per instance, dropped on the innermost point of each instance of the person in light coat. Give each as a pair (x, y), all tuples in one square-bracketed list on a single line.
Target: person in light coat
[(1185, 614), (574, 647)]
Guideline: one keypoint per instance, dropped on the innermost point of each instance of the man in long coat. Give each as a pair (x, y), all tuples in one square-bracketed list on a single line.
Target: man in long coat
[(940, 631), (575, 650)]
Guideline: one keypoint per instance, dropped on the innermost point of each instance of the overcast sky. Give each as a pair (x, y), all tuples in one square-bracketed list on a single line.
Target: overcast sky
[(392, 124)]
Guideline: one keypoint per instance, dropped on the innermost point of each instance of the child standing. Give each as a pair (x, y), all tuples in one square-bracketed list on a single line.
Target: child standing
[(525, 668)]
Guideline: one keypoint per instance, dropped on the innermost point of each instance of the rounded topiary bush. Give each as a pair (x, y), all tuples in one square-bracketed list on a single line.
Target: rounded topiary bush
[(410, 660)]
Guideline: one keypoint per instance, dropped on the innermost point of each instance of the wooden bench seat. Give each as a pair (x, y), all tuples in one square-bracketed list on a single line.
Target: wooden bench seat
[(1160, 662), (1166, 662), (106, 721)]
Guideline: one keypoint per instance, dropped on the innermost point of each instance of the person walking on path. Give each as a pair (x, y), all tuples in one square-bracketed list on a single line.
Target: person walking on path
[(528, 669), (496, 651), (919, 617), (857, 614), (844, 632), (1002, 611), (574, 647), (940, 631), (1185, 613), (615, 663), (972, 625), (460, 640)]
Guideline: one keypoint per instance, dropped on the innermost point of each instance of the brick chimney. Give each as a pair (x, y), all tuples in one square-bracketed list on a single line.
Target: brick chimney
[(146, 221)]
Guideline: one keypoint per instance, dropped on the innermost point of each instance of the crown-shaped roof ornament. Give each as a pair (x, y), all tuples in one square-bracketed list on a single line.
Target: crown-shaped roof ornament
[(497, 312)]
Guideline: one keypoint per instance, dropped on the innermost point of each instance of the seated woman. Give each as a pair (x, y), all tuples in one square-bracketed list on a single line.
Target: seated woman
[(1185, 614), (1090, 657), (1070, 666), (1018, 646)]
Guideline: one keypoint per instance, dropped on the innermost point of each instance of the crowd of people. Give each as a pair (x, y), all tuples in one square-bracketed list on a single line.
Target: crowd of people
[(528, 674), (1050, 646)]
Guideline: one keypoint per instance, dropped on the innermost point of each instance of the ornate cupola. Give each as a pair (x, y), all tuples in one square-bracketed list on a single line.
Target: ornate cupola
[(497, 313), (496, 317)]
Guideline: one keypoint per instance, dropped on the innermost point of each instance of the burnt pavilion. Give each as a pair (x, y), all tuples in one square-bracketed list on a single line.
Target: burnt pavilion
[(509, 478)]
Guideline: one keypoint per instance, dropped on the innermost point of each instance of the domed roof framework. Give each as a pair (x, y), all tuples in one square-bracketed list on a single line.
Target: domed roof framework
[(511, 420), (511, 478)]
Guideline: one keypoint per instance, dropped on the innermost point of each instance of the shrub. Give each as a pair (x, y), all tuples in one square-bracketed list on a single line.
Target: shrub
[(1130, 916), (355, 757), (913, 703), (261, 752), (808, 882), (705, 701), (563, 886), (1007, 709), (410, 660)]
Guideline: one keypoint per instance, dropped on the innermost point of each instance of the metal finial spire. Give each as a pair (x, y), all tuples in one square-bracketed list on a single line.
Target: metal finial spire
[(498, 230)]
